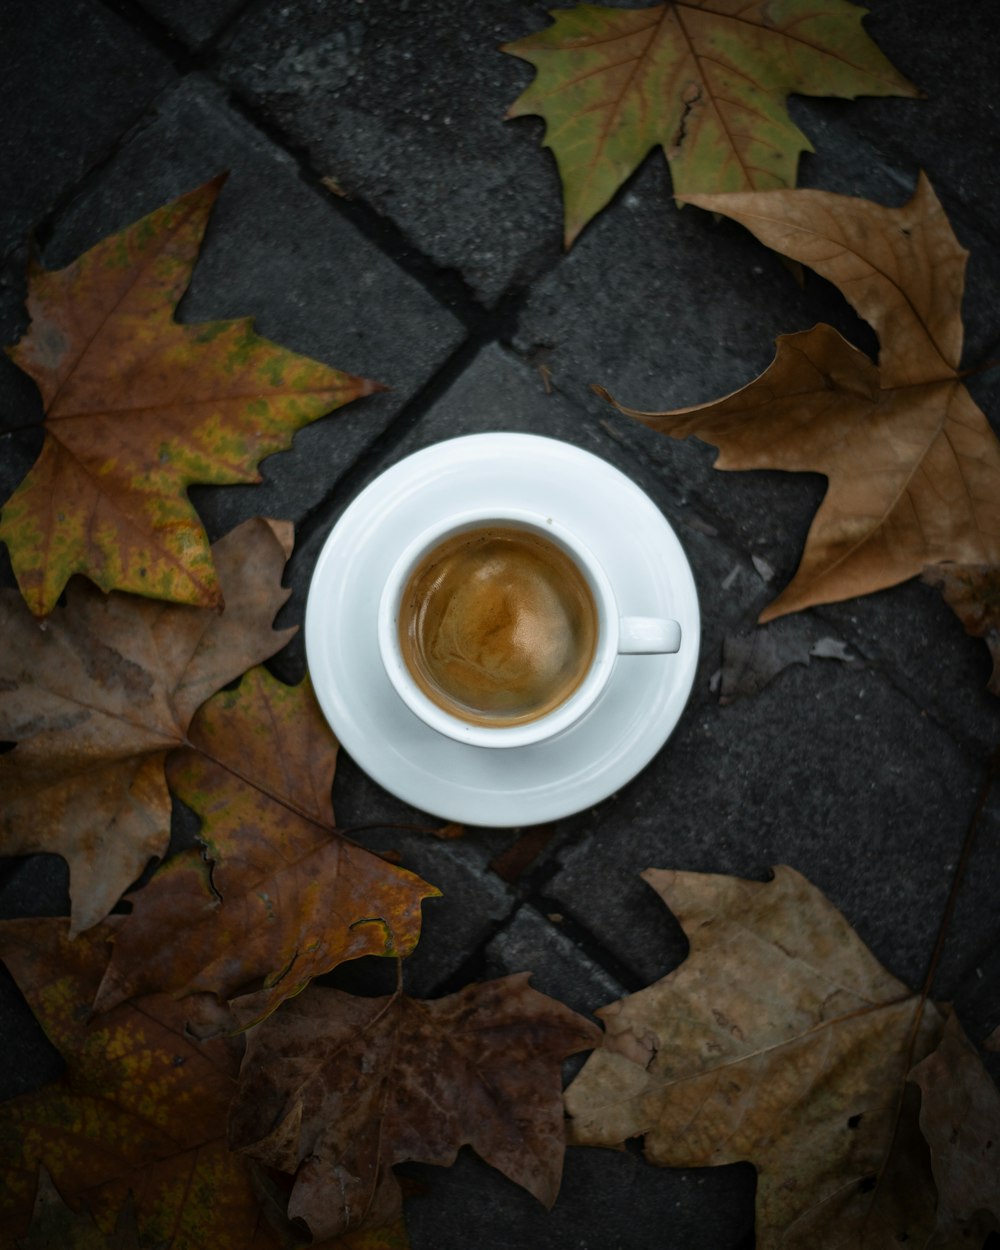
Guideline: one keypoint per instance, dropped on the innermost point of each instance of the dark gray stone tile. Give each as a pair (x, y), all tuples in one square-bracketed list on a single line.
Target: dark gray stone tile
[(952, 134), (403, 107), (610, 1200), (829, 770), (193, 21), (534, 943), (75, 76), (968, 972), (279, 251)]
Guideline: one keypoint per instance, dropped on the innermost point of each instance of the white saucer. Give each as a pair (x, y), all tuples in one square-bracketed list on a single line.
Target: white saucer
[(521, 785)]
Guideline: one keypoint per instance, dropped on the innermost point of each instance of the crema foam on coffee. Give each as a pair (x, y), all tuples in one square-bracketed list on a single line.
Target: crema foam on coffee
[(497, 625)]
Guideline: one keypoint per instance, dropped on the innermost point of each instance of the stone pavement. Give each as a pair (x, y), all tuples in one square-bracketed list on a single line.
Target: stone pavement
[(439, 271)]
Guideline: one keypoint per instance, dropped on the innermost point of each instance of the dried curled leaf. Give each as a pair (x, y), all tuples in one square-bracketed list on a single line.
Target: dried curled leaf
[(912, 463), (138, 408), (705, 82), (780, 1041), (337, 1089), (99, 694), (278, 896)]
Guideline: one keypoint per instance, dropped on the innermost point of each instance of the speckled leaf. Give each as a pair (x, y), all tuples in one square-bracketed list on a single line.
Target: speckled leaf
[(706, 82), (337, 1089), (972, 591), (99, 694), (278, 897), (141, 1106), (138, 408), (780, 1041), (960, 1118), (912, 463), (140, 1110)]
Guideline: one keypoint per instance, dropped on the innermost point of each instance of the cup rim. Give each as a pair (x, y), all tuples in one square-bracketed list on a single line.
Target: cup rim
[(560, 718)]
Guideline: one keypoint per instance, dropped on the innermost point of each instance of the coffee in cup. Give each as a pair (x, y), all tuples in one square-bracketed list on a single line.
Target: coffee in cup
[(497, 625)]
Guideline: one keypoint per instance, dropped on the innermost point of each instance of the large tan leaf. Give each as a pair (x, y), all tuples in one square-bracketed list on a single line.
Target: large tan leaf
[(138, 408), (912, 463), (278, 896), (337, 1089), (781, 1041), (99, 694), (705, 80)]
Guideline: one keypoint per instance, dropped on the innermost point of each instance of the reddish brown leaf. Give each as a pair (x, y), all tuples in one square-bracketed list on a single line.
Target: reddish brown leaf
[(912, 463), (54, 1224), (337, 1089), (278, 897), (99, 694), (138, 408)]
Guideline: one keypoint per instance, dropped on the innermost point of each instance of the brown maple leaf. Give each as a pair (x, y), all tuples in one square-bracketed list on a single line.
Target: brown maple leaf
[(97, 696), (336, 1089), (706, 82), (278, 896), (138, 408), (912, 463), (780, 1041)]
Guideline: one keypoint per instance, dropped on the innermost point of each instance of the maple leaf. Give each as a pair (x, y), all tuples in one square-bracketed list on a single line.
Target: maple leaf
[(973, 593), (780, 1041), (138, 408), (278, 896), (705, 81), (101, 692), (337, 1089), (138, 1119), (141, 1106), (912, 463)]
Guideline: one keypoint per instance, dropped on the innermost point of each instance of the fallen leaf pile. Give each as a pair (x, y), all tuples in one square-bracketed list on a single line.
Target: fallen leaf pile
[(115, 706), (781, 1041), (705, 82)]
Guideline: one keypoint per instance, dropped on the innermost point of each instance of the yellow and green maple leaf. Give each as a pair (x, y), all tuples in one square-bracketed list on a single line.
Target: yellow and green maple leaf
[(139, 407), (706, 80)]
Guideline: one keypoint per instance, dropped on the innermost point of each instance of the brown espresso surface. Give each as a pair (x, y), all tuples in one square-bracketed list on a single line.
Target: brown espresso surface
[(497, 626)]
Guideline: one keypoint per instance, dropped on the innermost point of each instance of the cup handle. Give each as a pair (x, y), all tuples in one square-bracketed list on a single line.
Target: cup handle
[(648, 635)]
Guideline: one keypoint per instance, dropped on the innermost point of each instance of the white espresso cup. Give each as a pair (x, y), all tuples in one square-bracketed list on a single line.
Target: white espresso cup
[(615, 634)]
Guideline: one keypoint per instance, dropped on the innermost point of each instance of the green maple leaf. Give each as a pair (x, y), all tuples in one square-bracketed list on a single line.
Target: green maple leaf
[(706, 80)]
